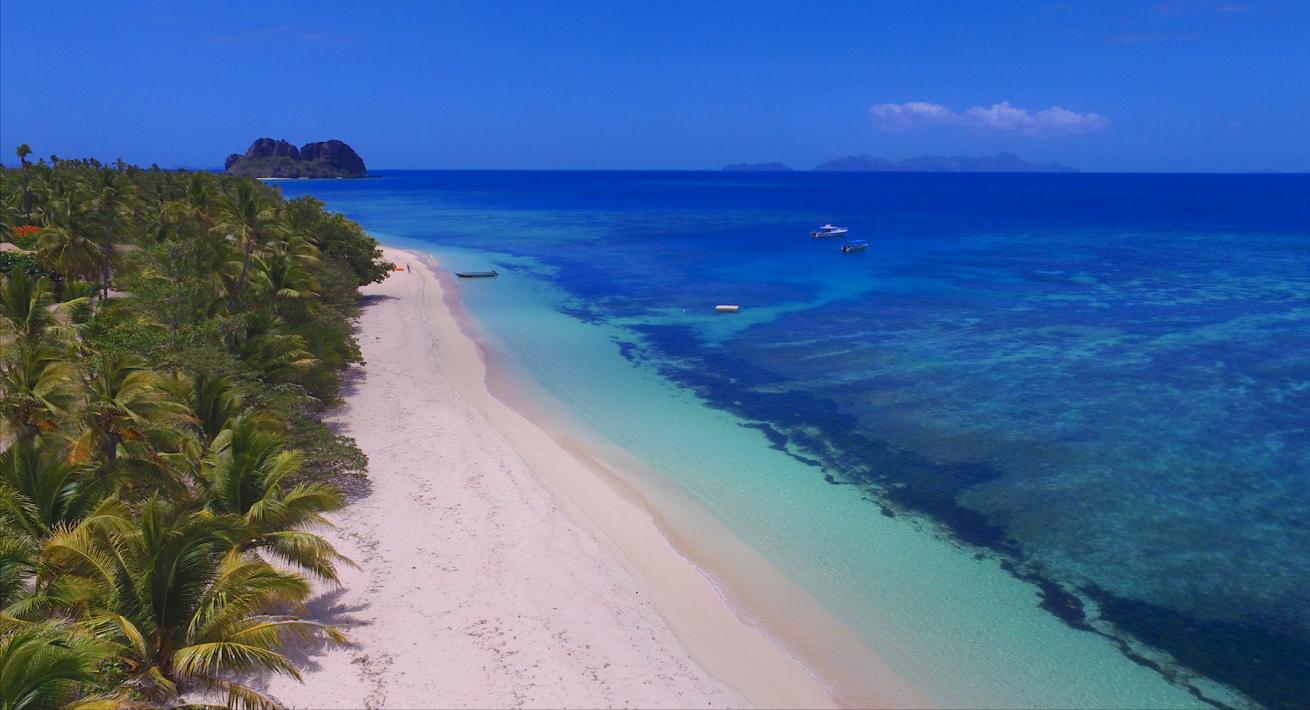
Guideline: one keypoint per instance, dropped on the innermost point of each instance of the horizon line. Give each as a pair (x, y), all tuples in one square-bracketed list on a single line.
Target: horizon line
[(1071, 171)]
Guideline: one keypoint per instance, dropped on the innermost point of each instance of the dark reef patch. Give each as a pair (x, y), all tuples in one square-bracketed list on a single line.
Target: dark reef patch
[(778, 442), (818, 427), (584, 314), (1065, 605), (1272, 667), (777, 439), (629, 351), (901, 480)]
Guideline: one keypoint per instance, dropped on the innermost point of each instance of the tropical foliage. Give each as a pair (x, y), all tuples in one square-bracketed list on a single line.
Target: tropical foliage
[(168, 341)]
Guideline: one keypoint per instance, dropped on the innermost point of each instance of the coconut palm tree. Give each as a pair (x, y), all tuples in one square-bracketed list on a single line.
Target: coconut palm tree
[(284, 277), (23, 307), (113, 204), (27, 314), (46, 665), (177, 610), (63, 249), (38, 391), (214, 400), (258, 340), (246, 474), (125, 401), (200, 198), (251, 221), (41, 491), (23, 151)]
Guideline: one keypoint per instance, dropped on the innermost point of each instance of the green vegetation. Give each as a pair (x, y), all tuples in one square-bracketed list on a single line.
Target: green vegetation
[(168, 341)]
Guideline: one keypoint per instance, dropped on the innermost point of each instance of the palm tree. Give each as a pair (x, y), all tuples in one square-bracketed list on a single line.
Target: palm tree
[(250, 220), (284, 277), (214, 400), (46, 665), (66, 252), (42, 491), (125, 402), (38, 391), (27, 313), (23, 307), (258, 340), (200, 198), (178, 611), (113, 202), (62, 246), (63, 198), (245, 475), (23, 151)]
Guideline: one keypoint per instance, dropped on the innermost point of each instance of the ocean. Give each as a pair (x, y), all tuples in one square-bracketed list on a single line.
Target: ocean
[(1045, 443)]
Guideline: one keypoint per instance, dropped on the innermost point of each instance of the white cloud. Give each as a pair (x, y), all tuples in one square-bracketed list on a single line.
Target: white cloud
[(914, 113), (998, 118), (1064, 120)]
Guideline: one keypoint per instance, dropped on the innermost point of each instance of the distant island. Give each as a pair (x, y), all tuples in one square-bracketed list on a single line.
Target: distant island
[(757, 168), (999, 163), (278, 158)]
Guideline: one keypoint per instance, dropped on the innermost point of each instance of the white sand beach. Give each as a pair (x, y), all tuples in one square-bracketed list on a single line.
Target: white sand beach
[(480, 582)]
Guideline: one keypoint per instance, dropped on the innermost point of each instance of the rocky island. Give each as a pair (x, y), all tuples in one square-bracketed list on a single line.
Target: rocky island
[(267, 157)]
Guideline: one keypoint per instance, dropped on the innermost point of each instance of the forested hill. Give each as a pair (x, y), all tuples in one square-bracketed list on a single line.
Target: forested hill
[(168, 341)]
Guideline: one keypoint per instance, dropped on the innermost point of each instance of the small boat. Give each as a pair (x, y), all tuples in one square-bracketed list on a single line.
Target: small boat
[(829, 230), (475, 274), (853, 246), (726, 309)]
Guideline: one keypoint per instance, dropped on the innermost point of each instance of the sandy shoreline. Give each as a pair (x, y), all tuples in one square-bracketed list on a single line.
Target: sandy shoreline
[(481, 583)]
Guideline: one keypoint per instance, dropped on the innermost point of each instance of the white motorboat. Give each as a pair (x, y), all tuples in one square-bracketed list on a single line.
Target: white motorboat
[(829, 230)]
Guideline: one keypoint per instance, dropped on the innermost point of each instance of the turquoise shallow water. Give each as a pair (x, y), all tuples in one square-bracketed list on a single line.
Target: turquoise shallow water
[(1094, 383)]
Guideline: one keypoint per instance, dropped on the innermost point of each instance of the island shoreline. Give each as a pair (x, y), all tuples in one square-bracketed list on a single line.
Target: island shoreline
[(716, 615), (502, 565)]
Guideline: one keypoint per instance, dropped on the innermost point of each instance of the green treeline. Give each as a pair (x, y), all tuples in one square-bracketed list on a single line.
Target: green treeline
[(168, 341)]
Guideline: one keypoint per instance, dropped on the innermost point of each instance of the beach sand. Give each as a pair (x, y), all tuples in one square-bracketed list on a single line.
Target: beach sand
[(495, 568)]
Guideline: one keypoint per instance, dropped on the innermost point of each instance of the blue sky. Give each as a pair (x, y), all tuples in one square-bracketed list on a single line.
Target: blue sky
[(1175, 85)]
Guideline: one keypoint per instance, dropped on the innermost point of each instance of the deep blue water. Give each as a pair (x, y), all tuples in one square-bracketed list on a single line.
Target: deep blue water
[(1105, 379)]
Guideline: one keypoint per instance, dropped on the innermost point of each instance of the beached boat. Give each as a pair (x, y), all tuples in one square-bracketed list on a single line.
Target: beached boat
[(475, 274), (726, 309), (854, 245), (829, 230)]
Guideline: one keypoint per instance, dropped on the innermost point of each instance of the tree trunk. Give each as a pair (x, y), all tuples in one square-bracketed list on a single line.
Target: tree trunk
[(241, 280), (104, 274), (111, 448), (27, 197), (105, 250)]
